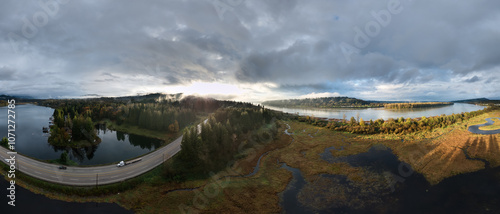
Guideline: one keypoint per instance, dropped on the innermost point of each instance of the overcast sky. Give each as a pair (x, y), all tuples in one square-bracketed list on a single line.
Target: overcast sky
[(252, 50)]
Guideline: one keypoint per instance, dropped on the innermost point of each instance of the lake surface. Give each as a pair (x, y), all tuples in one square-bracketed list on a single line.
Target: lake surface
[(28, 202), (31, 141), (377, 113)]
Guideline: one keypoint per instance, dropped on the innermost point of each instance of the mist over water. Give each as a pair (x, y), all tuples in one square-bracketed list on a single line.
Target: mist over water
[(380, 113)]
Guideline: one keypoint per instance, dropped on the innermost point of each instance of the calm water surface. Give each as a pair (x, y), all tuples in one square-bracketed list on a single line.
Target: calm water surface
[(28, 202), (377, 113), (30, 140)]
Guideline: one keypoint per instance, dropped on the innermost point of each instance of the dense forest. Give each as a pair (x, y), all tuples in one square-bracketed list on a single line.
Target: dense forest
[(74, 118), (415, 105), (71, 128), (220, 140), (395, 126), (323, 102)]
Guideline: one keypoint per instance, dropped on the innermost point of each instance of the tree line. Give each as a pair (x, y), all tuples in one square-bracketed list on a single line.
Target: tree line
[(323, 102), (395, 126), (220, 140), (74, 118), (415, 105)]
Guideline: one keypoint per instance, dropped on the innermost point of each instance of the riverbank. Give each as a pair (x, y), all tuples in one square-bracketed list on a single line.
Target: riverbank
[(161, 135), (437, 155), (130, 129)]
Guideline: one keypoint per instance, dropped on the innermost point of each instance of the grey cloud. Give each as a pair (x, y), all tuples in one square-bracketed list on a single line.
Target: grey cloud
[(7, 73), (293, 44), (472, 79)]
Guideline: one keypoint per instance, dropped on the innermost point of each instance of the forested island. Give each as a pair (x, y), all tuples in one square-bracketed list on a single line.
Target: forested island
[(323, 102), (71, 129)]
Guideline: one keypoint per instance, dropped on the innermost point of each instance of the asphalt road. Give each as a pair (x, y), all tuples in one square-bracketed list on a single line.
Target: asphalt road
[(87, 176), (475, 129)]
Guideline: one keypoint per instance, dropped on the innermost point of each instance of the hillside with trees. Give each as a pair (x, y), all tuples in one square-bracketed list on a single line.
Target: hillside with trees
[(416, 105), (323, 102)]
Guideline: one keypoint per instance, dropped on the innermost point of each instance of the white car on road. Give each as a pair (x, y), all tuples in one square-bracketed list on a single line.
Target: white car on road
[(120, 164)]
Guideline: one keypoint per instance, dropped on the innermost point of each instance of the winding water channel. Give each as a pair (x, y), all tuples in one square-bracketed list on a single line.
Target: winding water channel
[(475, 129), (467, 193), (475, 192)]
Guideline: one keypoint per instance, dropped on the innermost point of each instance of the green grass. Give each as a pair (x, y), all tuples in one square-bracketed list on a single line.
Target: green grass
[(130, 129), (162, 135)]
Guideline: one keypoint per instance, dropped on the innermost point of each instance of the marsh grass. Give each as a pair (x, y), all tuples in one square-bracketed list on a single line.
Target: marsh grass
[(437, 154)]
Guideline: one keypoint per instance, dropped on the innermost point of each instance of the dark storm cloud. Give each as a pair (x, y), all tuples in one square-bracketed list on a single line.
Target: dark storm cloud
[(472, 79), (7, 73), (113, 47)]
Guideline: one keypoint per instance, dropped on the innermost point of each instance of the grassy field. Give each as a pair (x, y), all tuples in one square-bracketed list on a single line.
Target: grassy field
[(162, 135), (436, 154), (166, 136)]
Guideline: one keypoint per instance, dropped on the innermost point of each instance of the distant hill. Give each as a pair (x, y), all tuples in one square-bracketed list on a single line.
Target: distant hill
[(323, 102), (477, 100), (155, 97), (17, 98)]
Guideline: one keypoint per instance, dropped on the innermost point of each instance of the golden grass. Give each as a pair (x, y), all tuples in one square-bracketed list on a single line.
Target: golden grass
[(437, 155)]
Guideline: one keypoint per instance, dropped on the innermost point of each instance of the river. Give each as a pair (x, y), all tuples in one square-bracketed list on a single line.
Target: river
[(380, 113)]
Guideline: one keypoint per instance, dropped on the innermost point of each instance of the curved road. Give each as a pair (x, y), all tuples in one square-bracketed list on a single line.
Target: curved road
[(87, 176), (475, 129)]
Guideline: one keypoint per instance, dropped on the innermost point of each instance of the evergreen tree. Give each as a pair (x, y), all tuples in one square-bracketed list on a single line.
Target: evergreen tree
[(64, 157)]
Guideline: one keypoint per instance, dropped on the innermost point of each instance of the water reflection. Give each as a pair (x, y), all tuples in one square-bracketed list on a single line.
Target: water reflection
[(377, 113), (31, 141)]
